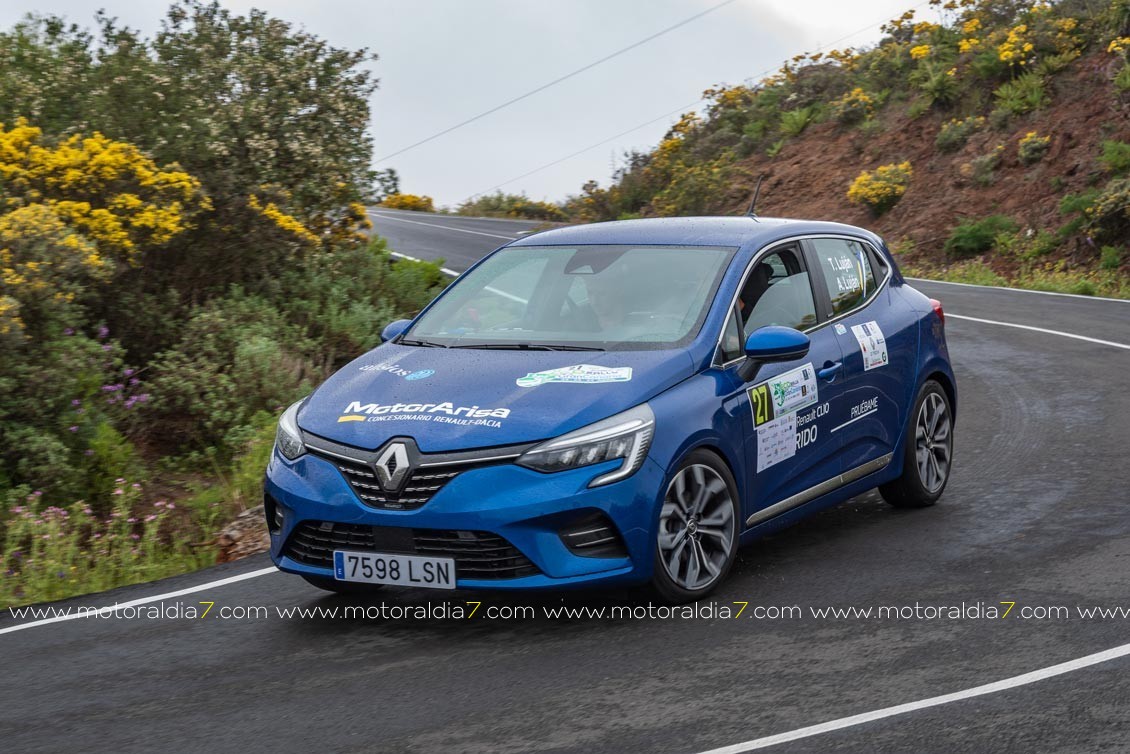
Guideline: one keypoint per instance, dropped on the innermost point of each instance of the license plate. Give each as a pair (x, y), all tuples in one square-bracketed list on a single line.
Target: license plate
[(388, 568)]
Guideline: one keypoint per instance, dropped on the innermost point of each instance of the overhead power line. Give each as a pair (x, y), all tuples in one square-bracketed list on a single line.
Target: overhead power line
[(668, 114), (579, 152), (556, 81)]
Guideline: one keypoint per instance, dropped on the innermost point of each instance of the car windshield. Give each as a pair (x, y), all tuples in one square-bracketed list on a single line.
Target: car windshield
[(582, 297)]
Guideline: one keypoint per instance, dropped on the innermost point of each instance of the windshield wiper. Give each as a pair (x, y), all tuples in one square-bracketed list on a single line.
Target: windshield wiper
[(421, 343), (527, 347)]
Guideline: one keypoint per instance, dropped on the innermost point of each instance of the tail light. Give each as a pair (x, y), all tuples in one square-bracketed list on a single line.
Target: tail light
[(938, 309)]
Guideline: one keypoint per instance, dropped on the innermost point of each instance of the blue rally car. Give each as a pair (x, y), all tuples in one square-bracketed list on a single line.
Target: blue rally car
[(614, 404)]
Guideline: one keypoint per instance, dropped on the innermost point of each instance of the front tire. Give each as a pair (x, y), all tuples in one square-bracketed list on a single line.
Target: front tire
[(927, 451), (697, 537)]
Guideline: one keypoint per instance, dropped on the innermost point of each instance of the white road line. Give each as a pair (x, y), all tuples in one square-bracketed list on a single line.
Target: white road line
[(141, 601), (934, 701), (1040, 329), (444, 270), (441, 227), (453, 273), (477, 218), (849, 421), (1021, 290)]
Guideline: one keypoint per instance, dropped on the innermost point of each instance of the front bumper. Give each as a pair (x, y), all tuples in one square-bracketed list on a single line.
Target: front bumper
[(525, 507)]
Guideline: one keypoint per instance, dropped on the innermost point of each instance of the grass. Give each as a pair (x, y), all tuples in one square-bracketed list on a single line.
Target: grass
[(1050, 277), (56, 553)]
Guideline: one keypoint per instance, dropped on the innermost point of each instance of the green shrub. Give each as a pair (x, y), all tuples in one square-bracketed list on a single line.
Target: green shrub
[(1116, 156), (794, 122), (955, 133), (1023, 94), (999, 119), (1111, 258), (1109, 216), (854, 107), (1122, 79), (936, 81), (982, 169), (499, 204), (974, 237), (1032, 148), (236, 356), (974, 272)]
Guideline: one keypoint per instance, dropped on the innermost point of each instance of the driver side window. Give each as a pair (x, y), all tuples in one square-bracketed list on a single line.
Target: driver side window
[(777, 292)]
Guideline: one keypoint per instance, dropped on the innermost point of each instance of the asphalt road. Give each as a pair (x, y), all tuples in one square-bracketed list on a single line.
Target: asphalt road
[(1036, 514)]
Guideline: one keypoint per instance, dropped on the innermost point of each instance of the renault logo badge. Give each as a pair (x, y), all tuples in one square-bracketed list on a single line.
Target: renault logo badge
[(392, 466)]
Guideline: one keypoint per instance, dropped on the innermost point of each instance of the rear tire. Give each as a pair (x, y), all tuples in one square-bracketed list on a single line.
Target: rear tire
[(698, 531), (340, 587), (927, 451)]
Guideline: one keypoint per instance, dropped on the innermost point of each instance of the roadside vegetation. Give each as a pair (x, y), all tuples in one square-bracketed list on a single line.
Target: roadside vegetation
[(993, 145), (183, 252)]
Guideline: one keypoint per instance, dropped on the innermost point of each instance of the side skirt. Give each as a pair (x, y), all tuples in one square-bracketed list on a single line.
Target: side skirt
[(829, 485)]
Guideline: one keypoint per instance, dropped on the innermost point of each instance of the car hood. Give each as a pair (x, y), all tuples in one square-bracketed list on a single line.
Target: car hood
[(455, 399)]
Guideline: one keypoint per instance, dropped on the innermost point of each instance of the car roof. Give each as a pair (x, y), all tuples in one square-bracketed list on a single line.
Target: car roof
[(741, 231)]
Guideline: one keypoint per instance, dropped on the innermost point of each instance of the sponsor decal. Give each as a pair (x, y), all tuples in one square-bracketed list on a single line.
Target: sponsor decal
[(776, 441), (587, 374), (872, 344), (783, 394), (442, 413), (775, 403), (396, 369), (840, 329)]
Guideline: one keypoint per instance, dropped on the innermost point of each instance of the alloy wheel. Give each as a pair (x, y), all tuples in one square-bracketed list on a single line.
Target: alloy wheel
[(696, 527), (933, 442)]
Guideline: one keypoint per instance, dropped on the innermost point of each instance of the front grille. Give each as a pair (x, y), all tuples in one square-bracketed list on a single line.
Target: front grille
[(477, 554), (419, 489)]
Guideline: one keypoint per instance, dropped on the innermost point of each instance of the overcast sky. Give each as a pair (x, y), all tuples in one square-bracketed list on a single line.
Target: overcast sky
[(443, 61)]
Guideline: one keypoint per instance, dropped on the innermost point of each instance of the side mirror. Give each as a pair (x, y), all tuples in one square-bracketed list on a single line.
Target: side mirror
[(770, 344), (393, 329)]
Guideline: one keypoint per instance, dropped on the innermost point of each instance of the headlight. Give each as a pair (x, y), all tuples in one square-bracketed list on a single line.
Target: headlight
[(626, 435), (288, 439)]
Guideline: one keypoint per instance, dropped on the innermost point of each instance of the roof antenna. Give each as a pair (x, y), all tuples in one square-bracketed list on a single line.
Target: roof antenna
[(756, 193)]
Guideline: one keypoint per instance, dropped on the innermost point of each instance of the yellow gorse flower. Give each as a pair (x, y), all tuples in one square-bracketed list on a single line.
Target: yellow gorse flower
[(289, 223), (1016, 46), (881, 188), (70, 211)]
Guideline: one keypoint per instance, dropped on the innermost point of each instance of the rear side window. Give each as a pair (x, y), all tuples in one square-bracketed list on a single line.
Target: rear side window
[(847, 272)]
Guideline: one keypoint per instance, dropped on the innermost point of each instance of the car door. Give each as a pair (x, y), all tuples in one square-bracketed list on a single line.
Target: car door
[(790, 404), (879, 341)]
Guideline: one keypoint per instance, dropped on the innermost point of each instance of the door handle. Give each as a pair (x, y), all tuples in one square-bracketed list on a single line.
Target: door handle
[(830, 370)]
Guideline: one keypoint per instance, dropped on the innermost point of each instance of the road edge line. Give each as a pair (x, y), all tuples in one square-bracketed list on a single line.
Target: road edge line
[(934, 701), (140, 601), (1019, 290), (1040, 329)]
